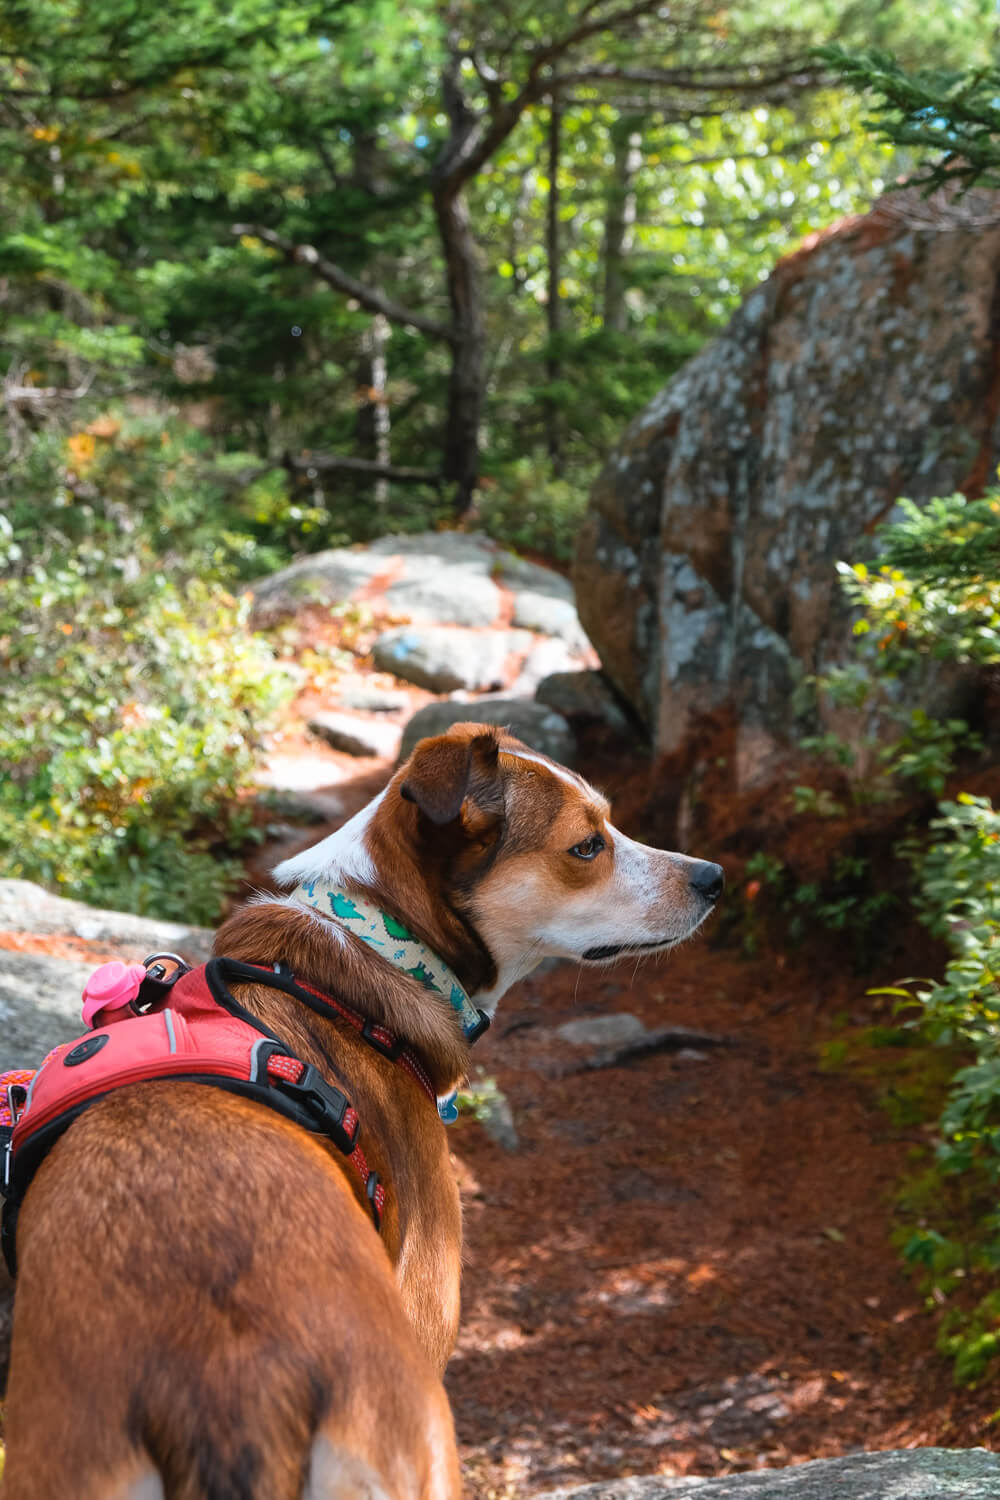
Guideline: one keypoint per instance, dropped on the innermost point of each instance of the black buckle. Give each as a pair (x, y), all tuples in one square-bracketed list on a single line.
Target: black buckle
[(325, 1106), (477, 1030), (390, 1050)]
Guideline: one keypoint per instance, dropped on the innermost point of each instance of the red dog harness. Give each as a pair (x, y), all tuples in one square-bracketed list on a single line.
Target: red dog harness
[(189, 1027)]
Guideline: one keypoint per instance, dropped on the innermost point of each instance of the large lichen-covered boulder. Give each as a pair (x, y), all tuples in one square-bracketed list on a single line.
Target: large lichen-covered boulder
[(901, 1474), (867, 367)]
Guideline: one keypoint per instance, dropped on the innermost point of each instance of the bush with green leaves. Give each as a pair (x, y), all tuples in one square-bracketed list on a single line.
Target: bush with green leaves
[(933, 596), (132, 695), (128, 729), (959, 900), (525, 508)]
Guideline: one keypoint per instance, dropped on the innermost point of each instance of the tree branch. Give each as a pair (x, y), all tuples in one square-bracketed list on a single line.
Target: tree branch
[(803, 73), (324, 462), (370, 297)]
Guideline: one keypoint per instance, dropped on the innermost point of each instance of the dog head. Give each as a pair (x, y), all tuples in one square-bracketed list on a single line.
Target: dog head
[(499, 857)]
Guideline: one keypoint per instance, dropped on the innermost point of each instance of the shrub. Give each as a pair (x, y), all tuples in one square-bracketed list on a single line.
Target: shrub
[(128, 731), (525, 508), (935, 595), (132, 699)]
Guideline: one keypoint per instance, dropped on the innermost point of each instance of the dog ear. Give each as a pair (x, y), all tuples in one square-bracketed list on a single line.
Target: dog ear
[(446, 770)]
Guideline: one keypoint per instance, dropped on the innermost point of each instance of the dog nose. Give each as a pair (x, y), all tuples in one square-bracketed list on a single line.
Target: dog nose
[(708, 880)]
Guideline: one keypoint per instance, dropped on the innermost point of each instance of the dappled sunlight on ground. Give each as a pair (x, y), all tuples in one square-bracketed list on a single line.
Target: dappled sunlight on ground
[(687, 1268)]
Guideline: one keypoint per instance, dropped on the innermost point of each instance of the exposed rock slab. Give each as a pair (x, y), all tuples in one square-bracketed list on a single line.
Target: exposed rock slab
[(445, 660), (355, 736), (901, 1474), (370, 700), (332, 577), (26, 907), (39, 1006), (444, 576), (550, 616), (536, 725), (865, 368), (548, 658)]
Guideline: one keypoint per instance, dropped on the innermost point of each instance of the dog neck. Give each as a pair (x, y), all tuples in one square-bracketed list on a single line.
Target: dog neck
[(330, 957), (396, 944)]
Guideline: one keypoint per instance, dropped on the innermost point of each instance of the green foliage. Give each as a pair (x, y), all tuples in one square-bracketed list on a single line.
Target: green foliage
[(950, 114), (936, 589), (525, 508), (960, 901), (132, 698), (134, 138), (781, 909), (935, 597), (128, 727)]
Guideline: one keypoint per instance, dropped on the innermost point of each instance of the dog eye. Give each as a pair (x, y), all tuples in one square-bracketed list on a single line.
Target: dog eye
[(590, 848)]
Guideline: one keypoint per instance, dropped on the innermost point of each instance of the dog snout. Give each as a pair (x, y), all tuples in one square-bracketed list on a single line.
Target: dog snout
[(708, 880)]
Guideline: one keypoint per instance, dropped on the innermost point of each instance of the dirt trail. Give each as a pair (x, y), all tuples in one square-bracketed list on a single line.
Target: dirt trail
[(686, 1268)]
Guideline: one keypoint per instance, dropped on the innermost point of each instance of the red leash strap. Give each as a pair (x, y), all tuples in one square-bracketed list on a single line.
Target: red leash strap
[(292, 1070)]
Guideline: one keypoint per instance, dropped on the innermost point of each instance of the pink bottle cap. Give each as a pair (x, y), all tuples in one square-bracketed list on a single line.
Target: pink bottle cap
[(111, 987)]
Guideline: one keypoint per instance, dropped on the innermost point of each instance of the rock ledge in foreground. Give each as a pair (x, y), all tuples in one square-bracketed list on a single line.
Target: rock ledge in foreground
[(900, 1474)]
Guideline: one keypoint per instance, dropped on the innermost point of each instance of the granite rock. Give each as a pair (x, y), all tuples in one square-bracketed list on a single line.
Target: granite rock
[(355, 736), (863, 369), (536, 725), (901, 1474), (447, 660)]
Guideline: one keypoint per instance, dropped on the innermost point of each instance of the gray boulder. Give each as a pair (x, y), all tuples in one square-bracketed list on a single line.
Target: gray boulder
[(445, 576), (370, 700), (549, 615), (543, 660), (25, 907), (331, 577), (442, 577), (446, 660), (903, 1474), (863, 369), (39, 1005), (354, 736), (533, 723), (582, 695)]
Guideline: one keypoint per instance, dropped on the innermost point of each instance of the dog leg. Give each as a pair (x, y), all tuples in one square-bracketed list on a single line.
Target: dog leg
[(337, 1475)]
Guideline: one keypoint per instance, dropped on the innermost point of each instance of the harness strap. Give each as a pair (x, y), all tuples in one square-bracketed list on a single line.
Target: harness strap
[(380, 1038), (292, 1070)]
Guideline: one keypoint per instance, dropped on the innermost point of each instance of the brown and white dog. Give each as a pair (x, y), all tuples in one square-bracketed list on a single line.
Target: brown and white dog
[(204, 1309)]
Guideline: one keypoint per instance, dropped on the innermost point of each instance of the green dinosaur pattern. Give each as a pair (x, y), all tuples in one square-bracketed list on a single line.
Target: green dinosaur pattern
[(419, 973), (396, 929), (344, 907)]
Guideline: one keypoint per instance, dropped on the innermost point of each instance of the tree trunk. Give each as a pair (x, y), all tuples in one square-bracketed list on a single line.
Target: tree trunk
[(373, 422), (553, 362), (619, 217), (466, 383)]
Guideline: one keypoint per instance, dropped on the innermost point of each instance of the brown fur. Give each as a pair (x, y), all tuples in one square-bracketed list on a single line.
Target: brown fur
[(203, 1296)]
